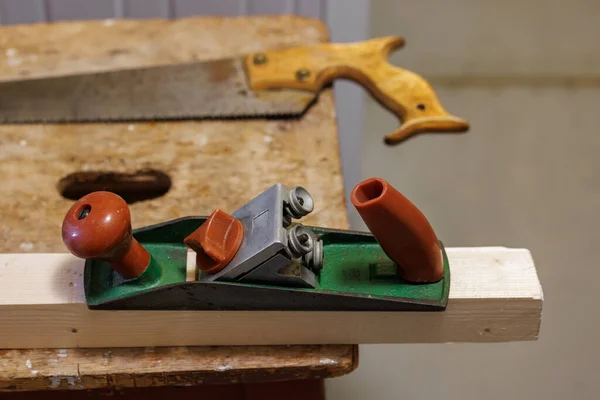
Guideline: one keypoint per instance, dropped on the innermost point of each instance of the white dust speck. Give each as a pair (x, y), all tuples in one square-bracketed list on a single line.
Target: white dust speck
[(223, 367), (26, 246), (109, 22), (131, 128), (149, 350), (202, 140), (268, 139), (313, 31), (63, 353), (71, 380), (10, 52), (13, 62), (28, 363), (85, 167), (234, 180), (34, 372), (326, 361), (23, 142)]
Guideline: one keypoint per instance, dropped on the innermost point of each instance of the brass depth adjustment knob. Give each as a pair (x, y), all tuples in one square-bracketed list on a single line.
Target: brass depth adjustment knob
[(98, 226)]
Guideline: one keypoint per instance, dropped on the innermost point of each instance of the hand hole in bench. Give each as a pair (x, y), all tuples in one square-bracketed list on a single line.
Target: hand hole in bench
[(142, 185)]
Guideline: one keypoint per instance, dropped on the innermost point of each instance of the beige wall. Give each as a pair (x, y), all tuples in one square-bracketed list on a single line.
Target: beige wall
[(527, 76)]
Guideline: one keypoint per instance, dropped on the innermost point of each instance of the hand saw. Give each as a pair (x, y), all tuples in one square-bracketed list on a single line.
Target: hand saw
[(276, 83)]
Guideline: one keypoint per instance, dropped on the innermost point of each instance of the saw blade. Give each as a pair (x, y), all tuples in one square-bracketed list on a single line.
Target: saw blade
[(198, 90)]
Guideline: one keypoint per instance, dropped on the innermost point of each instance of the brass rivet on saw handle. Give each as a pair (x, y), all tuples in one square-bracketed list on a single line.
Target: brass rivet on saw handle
[(259, 59), (302, 74)]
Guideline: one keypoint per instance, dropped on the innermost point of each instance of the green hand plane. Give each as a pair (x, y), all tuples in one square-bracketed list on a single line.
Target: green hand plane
[(260, 258)]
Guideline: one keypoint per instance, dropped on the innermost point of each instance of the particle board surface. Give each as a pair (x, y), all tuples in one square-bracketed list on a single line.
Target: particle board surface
[(211, 163)]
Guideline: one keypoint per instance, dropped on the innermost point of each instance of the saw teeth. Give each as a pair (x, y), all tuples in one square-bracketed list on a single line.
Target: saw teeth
[(125, 120)]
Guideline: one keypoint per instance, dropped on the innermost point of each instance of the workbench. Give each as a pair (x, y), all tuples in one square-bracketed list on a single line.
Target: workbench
[(210, 163), (495, 294)]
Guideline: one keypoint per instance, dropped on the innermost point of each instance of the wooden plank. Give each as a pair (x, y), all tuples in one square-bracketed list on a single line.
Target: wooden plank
[(105, 368), (495, 296)]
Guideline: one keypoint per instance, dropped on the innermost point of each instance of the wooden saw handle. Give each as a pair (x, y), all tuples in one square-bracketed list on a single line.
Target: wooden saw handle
[(404, 93)]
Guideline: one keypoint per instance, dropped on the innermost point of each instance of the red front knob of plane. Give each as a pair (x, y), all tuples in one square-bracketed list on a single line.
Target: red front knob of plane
[(98, 226)]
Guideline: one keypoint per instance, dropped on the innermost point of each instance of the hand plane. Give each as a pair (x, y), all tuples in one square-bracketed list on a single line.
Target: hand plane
[(274, 83), (260, 257)]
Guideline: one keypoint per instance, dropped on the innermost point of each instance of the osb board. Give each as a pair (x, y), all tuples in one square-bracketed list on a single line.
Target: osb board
[(173, 366), (211, 163)]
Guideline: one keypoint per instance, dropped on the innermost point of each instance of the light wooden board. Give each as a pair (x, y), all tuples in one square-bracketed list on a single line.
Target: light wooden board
[(495, 296), (169, 366)]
